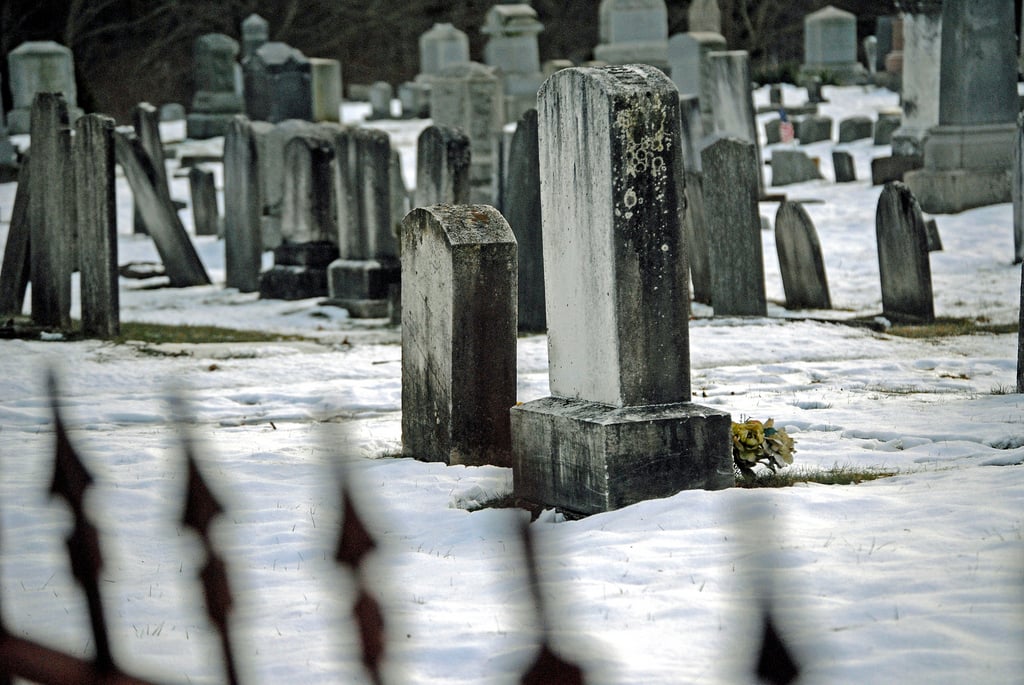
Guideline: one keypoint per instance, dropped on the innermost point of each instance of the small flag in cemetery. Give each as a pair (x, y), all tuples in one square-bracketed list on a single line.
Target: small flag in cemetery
[(786, 133)]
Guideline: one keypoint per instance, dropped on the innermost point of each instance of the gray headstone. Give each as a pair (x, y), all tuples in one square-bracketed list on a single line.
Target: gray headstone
[(617, 303), (692, 130), (415, 99), (458, 334), (830, 46), (775, 95), (96, 212), (181, 262), (633, 32), (470, 96), (442, 167), (884, 128), (855, 128), (441, 47), (903, 263), (968, 157), (800, 260), (40, 67), (51, 212), (732, 101), (773, 131), (814, 128), (523, 211), (381, 95), (705, 16), (793, 166), (842, 165), (919, 92), (308, 211), (325, 89), (698, 249), (202, 186), (1018, 193), (734, 227), (14, 272), (218, 94), (255, 32), (278, 84), (512, 48), (883, 32), (690, 65), (1020, 338)]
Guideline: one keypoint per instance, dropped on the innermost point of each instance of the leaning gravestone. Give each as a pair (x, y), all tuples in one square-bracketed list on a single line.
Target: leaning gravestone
[(181, 262), (523, 211), (800, 260), (1018, 193), (458, 334), (278, 84), (843, 167), (146, 121), (903, 256), (51, 212), (203, 189), (14, 271), (442, 167), (619, 427), (734, 227), (96, 212), (218, 95), (243, 247), (40, 67)]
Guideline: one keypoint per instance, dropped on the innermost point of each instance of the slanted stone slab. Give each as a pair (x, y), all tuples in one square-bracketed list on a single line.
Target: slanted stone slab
[(146, 121), (617, 303), (179, 256), (243, 248), (793, 166), (523, 211), (855, 128), (14, 272), (442, 167), (51, 212), (903, 263), (800, 260), (843, 167), (96, 211), (203, 188), (734, 227), (458, 334)]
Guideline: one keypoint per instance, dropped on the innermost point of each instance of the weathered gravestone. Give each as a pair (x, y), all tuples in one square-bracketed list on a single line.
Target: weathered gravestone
[(255, 32), (458, 334), (793, 166), (202, 186), (278, 84), (698, 249), (308, 223), (919, 94), (855, 128), (618, 427), (968, 157), (888, 123), (40, 67), (367, 266), (415, 100), (1018, 193), (51, 212), (441, 47), (325, 89), (523, 211), (830, 47), (96, 212), (146, 121), (688, 57), (470, 96), (692, 130), (633, 32), (1020, 338), (813, 128), (734, 228), (800, 260), (218, 95), (179, 257), (381, 95), (732, 101), (903, 256), (704, 16), (843, 167), (442, 167), (271, 140), (14, 272), (512, 48)]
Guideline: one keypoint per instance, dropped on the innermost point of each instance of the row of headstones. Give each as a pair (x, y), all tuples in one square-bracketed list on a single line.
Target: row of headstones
[(816, 128), (65, 219)]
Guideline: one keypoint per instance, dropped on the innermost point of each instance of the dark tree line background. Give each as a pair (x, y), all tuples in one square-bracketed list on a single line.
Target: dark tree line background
[(128, 51)]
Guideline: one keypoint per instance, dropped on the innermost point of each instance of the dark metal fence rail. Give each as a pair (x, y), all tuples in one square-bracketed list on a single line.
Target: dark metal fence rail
[(39, 664)]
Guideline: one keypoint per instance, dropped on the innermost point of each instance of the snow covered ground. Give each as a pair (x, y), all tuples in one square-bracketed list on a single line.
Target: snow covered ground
[(918, 578)]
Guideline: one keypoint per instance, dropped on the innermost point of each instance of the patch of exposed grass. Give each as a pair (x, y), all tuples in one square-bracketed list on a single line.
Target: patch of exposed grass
[(950, 327), (155, 333), (837, 475)]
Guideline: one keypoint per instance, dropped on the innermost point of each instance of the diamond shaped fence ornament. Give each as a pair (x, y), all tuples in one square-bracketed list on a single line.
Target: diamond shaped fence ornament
[(70, 481)]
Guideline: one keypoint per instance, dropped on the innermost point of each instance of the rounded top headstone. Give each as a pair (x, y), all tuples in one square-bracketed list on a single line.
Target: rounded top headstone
[(255, 24), (41, 47), (442, 46)]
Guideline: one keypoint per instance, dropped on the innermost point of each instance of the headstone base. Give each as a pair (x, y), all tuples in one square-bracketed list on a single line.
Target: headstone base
[(587, 457), (285, 282), (848, 74), (362, 286), (956, 190)]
